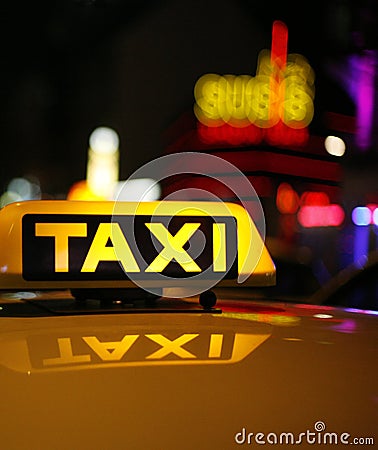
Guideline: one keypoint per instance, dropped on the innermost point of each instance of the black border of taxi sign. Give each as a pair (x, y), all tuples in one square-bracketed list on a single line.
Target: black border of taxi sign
[(71, 244)]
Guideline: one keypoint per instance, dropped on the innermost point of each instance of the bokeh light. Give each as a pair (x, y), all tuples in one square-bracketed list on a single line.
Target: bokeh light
[(334, 145), (365, 215), (103, 161), (287, 199), (104, 140), (21, 189)]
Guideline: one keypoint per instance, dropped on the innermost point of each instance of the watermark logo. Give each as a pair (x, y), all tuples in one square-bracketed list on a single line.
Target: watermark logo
[(194, 246), (318, 436)]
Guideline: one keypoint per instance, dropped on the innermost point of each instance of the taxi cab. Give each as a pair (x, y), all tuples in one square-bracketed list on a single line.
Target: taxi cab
[(135, 326)]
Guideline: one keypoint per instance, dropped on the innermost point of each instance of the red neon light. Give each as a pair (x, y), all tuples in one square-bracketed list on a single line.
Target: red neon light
[(227, 134), (278, 54), (372, 207), (278, 135), (281, 134), (314, 199)]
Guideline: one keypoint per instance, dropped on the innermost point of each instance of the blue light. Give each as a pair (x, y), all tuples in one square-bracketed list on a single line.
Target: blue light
[(361, 244), (361, 216)]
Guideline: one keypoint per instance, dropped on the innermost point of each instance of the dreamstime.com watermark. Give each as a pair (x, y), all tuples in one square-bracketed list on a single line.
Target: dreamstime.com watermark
[(318, 436)]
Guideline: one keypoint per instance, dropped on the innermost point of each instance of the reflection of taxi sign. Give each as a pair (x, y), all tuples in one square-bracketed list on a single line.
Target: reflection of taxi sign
[(68, 244)]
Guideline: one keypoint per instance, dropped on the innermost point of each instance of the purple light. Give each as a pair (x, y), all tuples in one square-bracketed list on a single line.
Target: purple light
[(365, 99), (346, 326)]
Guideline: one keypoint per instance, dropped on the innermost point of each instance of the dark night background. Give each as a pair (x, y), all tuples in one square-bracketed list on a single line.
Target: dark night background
[(70, 66)]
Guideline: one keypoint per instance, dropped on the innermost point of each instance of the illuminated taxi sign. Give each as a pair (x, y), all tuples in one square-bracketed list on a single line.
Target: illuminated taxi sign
[(70, 244), (97, 247)]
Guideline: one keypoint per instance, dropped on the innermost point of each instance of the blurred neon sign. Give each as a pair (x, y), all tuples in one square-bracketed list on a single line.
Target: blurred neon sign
[(281, 93), (313, 208)]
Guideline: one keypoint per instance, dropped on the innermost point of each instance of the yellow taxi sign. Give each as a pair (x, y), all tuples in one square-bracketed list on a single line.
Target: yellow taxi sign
[(73, 244)]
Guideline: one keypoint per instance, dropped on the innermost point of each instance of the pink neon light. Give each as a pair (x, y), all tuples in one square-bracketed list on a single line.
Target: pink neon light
[(321, 216)]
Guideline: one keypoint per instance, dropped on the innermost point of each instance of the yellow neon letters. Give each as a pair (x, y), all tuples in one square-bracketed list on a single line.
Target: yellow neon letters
[(110, 244), (61, 232), (219, 247), (173, 247), (99, 251), (272, 95)]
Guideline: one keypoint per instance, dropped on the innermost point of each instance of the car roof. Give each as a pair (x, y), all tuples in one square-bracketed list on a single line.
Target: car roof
[(189, 378)]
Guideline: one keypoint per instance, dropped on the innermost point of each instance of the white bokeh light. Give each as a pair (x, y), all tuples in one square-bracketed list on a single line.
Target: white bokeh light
[(334, 145), (104, 140)]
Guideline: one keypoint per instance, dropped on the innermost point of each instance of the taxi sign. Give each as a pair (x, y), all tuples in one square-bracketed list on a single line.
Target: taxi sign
[(74, 244)]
